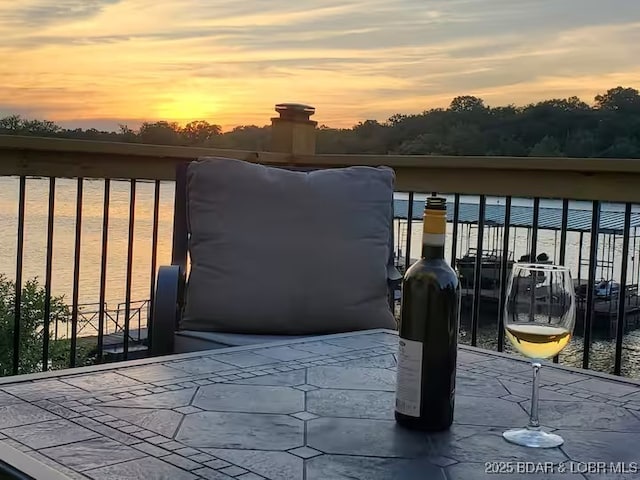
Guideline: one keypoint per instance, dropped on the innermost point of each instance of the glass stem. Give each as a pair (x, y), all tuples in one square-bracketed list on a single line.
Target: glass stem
[(534, 424)]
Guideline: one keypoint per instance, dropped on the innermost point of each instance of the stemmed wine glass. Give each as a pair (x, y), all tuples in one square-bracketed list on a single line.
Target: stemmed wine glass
[(539, 318)]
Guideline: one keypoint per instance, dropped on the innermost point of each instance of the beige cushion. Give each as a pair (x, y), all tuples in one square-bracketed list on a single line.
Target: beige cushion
[(283, 252)]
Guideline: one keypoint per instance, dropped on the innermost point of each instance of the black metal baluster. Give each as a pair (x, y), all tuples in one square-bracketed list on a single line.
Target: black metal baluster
[(580, 257), (407, 253), (563, 243), (454, 238), (103, 266), (154, 254), (76, 277), (127, 306), (622, 294), (563, 231), (18, 293), (611, 253), (47, 275), (634, 277), (503, 273), (593, 256), (534, 230), (636, 254), (475, 319)]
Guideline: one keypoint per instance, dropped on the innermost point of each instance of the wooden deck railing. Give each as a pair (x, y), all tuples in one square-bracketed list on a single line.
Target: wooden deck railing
[(614, 180), (568, 179)]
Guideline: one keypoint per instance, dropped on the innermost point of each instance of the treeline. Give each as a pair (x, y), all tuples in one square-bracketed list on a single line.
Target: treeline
[(556, 127)]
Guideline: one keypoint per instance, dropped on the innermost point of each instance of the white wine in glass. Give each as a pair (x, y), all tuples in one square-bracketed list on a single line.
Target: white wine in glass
[(539, 318)]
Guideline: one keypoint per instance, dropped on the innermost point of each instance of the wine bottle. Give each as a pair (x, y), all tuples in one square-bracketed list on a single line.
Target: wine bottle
[(428, 331)]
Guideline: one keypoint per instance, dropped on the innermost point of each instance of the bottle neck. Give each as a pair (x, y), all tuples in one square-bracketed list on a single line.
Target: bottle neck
[(433, 235), (432, 252)]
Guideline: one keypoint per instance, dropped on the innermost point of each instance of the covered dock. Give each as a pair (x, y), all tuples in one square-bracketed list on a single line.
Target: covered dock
[(550, 215)]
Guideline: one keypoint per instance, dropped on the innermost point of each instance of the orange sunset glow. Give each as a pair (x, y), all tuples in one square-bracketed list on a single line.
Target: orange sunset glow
[(104, 62)]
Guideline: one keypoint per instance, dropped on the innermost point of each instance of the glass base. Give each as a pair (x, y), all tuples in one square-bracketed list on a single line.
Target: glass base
[(533, 438)]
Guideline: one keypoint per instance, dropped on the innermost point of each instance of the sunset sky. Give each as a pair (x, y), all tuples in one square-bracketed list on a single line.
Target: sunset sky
[(103, 62)]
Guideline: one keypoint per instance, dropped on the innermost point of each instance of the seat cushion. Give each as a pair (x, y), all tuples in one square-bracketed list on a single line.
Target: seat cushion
[(281, 252), (239, 339)]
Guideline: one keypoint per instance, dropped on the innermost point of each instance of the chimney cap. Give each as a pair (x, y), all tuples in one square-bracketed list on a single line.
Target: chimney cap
[(295, 110)]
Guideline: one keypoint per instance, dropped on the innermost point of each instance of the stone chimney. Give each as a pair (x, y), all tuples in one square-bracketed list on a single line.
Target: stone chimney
[(293, 132)]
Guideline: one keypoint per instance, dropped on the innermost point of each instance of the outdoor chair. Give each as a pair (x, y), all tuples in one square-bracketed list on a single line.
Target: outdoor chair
[(264, 253)]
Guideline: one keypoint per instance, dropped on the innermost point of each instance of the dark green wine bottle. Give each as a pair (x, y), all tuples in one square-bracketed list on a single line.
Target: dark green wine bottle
[(428, 333)]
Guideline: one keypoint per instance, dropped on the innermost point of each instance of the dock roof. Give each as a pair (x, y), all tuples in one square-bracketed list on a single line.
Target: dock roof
[(550, 218)]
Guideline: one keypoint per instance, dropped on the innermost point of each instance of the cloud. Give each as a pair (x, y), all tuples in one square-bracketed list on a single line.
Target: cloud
[(231, 61), (36, 13)]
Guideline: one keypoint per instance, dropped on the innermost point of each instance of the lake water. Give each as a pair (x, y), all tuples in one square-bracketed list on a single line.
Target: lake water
[(35, 240)]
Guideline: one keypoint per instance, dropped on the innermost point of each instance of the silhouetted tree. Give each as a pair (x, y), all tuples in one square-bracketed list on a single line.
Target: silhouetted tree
[(553, 127), (619, 99), (467, 103)]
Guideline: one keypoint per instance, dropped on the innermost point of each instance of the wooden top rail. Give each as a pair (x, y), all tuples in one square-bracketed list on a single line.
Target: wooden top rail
[(615, 180)]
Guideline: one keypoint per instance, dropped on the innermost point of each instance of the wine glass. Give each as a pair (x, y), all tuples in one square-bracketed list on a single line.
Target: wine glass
[(539, 318)]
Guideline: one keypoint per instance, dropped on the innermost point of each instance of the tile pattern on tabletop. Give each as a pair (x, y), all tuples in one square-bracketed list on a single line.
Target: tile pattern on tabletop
[(62, 469), (544, 393), (380, 438), (379, 361), (242, 430), (163, 422), (49, 434), (170, 399), (520, 368), (283, 353), (314, 409), (180, 461), (354, 342), (151, 373), (491, 446), (631, 473), (249, 398), (351, 403), (384, 338), (201, 365), (556, 375), (101, 381), (596, 446), (471, 357), (93, 453), (271, 465), (586, 415), (210, 474), (284, 379), (150, 449), (7, 399), (41, 390), (479, 386), (342, 467), (305, 452), (491, 470), (596, 385), (249, 476), (320, 348), (23, 414), (352, 378), (148, 468), (490, 412), (244, 359), (106, 431)]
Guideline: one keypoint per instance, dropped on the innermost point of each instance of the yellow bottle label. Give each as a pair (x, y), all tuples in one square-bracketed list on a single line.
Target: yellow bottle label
[(434, 227)]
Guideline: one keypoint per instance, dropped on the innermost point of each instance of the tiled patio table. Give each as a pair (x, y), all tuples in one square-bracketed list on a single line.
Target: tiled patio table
[(314, 410)]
